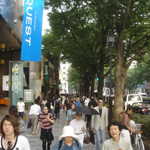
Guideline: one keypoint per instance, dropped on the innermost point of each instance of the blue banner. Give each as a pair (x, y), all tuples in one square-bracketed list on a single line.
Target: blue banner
[(32, 30)]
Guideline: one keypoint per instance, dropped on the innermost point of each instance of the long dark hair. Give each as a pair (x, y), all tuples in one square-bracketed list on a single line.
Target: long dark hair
[(14, 121)]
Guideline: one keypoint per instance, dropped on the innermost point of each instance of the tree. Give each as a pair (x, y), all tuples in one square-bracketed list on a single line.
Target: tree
[(74, 80), (139, 74), (86, 26), (83, 25), (132, 34), (52, 51)]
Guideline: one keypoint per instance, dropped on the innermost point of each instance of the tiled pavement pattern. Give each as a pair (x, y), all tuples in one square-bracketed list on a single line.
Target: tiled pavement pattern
[(35, 141)]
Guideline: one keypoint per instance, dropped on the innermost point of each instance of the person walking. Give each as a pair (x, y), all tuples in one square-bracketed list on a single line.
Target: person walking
[(35, 110), (21, 108), (78, 102), (57, 107), (116, 142), (44, 102), (79, 126), (99, 124), (68, 140), (71, 113), (10, 138), (13, 111), (46, 121)]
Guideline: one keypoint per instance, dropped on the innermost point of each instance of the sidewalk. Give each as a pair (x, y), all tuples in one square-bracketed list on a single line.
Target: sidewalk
[(57, 131), (35, 141)]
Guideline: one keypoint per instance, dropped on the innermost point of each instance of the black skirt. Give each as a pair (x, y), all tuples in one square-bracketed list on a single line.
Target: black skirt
[(46, 134)]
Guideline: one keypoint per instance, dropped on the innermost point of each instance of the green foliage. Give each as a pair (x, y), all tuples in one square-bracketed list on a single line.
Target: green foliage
[(51, 45), (74, 78), (145, 120), (139, 74), (82, 28)]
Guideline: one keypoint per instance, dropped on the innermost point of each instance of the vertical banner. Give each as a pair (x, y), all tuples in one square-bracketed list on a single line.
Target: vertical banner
[(16, 81), (32, 30)]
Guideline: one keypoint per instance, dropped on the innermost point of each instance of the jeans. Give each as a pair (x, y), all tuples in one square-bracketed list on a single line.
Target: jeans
[(100, 137)]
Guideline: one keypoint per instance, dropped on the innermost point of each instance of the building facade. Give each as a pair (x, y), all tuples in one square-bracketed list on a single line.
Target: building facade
[(11, 12)]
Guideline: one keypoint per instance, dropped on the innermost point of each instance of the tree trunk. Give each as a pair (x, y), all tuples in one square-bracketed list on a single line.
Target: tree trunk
[(92, 86), (100, 76), (120, 78), (100, 86)]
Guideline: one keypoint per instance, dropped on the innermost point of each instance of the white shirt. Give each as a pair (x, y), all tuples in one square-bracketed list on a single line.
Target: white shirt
[(125, 134), (132, 124), (22, 143), (86, 102), (35, 109), (79, 127), (123, 144), (21, 106)]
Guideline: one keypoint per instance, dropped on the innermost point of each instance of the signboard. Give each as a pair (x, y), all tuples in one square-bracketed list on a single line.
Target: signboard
[(5, 85), (16, 80), (28, 95), (32, 30)]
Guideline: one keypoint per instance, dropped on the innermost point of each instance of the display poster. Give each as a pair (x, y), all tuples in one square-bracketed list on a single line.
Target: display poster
[(16, 81), (5, 84)]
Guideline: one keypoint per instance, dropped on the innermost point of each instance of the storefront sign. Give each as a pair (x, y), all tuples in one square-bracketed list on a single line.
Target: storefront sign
[(32, 30)]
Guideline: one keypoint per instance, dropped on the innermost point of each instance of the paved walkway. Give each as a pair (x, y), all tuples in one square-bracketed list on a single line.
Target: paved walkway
[(35, 141), (57, 130)]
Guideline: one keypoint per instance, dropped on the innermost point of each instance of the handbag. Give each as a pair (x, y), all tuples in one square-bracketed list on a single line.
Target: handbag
[(92, 138), (29, 123), (86, 137)]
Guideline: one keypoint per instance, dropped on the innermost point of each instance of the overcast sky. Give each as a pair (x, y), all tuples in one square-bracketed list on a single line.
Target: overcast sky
[(45, 21)]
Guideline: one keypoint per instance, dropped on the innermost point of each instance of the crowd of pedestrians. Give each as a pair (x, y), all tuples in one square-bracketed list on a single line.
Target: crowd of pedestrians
[(85, 118)]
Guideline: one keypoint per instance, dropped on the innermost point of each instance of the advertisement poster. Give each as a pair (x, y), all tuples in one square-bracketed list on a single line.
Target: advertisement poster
[(5, 84), (16, 80)]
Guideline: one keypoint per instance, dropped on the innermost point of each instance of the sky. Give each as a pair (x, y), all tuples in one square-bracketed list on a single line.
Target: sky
[(45, 21)]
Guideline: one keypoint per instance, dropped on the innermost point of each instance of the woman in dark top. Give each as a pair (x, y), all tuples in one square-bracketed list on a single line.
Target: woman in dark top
[(46, 121)]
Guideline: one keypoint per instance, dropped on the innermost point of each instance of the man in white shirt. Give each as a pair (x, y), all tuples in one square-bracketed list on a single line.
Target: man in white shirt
[(86, 102), (79, 127), (100, 123), (21, 107), (35, 110)]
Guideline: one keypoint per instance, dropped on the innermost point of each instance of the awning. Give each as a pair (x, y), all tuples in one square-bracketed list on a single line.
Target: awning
[(8, 36)]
